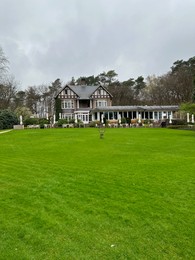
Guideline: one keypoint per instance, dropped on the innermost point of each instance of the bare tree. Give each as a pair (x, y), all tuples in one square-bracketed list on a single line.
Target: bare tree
[(172, 88), (8, 89), (3, 63)]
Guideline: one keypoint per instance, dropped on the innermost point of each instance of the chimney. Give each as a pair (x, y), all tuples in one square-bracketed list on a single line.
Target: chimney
[(83, 81)]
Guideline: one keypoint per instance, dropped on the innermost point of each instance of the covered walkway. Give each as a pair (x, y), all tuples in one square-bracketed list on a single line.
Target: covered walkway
[(133, 112)]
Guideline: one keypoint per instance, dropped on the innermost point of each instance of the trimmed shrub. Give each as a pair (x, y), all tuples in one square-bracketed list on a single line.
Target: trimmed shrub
[(178, 121), (36, 121), (42, 122), (31, 121), (61, 122), (123, 120), (146, 121), (128, 120), (176, 126), (71, 121), (94, 123), (79, 124)]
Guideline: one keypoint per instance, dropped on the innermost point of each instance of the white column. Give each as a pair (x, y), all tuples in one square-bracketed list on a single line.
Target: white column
[(192, 118), (102, 118), (119, 118), (118, 115), (76, 120), (137, 114), (98, 116), (170, 119), (188, 117), (139, 118)]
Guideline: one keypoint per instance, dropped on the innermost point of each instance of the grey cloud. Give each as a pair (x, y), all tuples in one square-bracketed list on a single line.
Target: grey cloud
[(48, 39)]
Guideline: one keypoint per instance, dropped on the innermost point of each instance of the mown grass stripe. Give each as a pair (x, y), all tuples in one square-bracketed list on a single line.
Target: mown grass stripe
[(67, 194)]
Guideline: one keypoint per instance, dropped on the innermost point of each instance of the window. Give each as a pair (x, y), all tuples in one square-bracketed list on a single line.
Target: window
[(67, 116), (84, 117), (67, 104), (101, 103), (155, 115), (160, 115)]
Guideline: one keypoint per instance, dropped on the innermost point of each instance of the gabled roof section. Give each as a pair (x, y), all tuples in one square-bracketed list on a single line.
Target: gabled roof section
[(83, 91), (100, 86), (66, 86)]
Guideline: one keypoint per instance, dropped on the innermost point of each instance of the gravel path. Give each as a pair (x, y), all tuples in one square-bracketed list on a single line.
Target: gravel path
[(5, 131)]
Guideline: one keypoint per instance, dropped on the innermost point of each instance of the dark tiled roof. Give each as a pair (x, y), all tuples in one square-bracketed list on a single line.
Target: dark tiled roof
[(83, 91), (136, 108)]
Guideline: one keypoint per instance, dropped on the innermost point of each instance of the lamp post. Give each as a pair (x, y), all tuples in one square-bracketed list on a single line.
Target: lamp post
[(101, 127), (101, 131)]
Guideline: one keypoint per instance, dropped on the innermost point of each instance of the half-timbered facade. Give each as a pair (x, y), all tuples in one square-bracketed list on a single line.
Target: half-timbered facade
[(77, 101)]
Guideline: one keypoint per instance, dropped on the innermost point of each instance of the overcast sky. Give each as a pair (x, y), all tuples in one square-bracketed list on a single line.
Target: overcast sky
[(49, 39)]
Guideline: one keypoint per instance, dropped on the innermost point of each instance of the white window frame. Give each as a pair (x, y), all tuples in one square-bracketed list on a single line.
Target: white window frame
[(68, 116), (67, 104), (101, 103)]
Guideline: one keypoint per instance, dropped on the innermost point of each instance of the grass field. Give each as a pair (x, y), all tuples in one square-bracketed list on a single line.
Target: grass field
[(67, 194)]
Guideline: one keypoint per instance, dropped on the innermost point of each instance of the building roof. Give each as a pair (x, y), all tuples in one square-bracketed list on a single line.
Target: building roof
[(135, 108), (83, 91)]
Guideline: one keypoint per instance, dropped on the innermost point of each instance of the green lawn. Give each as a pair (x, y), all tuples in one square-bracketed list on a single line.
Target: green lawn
[(67, 194)]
